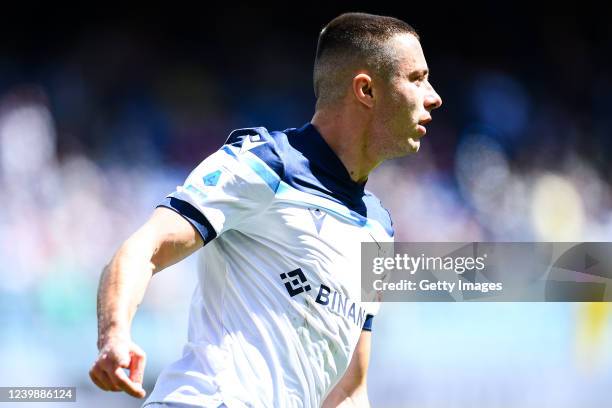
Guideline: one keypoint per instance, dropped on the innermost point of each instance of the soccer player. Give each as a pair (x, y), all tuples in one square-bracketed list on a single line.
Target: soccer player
[(277, 219)]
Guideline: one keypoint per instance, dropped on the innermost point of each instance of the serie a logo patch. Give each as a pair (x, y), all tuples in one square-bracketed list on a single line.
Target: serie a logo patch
[(295, 282), (212, 179)]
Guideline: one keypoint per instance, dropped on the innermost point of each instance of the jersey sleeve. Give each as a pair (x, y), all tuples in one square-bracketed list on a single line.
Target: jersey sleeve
[(228, 187), (372, 309)]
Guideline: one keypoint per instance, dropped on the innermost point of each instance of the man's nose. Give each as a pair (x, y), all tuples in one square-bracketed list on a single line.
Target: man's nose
[(432, 100)]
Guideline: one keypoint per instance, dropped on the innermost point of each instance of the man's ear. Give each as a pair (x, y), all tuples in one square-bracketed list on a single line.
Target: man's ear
[(362, 89)]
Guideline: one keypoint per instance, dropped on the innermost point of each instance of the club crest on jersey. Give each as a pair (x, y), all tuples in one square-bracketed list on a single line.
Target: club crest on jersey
[(297, 285), (317, 216)]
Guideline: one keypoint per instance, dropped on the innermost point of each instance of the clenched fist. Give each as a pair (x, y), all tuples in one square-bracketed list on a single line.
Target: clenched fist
[(116, 354)]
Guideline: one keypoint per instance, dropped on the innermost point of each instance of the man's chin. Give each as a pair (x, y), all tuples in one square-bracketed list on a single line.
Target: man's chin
[(413, 145)]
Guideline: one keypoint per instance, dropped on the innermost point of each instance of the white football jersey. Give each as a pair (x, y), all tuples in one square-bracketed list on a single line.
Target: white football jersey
[(277, 311)]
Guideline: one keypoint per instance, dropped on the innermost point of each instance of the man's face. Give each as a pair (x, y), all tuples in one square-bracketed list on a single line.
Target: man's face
[(405, 102)]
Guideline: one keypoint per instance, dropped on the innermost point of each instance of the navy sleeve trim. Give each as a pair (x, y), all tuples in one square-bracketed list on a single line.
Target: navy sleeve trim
[(367, 325), (191, 214)]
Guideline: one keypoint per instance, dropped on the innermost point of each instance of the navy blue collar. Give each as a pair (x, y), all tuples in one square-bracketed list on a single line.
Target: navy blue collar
[(313, 146), (326, 167)]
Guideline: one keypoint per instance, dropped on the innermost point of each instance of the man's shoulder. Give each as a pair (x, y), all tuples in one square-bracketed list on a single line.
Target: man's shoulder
[(271, 147)]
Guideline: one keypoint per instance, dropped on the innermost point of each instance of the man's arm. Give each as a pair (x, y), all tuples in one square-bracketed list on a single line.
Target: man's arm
[(351, 391), (163, 240)]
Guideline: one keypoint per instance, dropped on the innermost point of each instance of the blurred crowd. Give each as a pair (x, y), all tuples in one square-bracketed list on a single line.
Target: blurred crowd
[(95, 132)]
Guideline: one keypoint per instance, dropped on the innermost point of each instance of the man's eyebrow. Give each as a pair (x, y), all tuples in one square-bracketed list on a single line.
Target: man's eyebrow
[(418, 73)]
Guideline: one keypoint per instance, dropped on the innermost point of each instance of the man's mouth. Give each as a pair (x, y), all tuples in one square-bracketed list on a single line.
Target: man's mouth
[(425, 121), (421, 125)]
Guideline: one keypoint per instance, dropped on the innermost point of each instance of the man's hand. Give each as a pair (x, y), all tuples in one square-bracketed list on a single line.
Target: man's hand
[(115, 355)]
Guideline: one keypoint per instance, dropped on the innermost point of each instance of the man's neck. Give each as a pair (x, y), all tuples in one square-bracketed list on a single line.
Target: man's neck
[(349, 139)]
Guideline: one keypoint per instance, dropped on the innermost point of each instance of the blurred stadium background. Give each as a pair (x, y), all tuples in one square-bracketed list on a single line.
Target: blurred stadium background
[(103, 113)]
